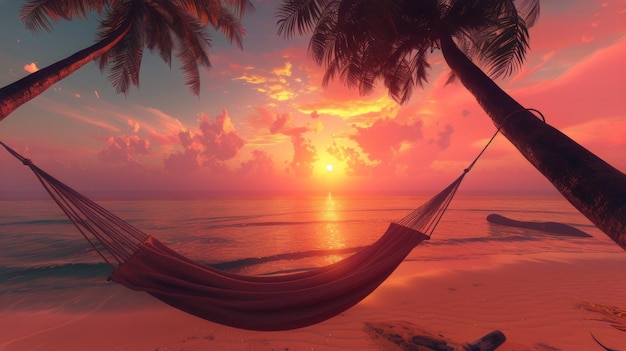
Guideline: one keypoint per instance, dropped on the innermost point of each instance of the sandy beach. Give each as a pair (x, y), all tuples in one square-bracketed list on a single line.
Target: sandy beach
[(534, 301)]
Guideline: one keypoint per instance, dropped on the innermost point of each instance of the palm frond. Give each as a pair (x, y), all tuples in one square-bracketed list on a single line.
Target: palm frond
[(299, 16), (399, 81), (208, 11), (160, 38), (452, 78), (116, 18), (529, 11), (38, 15), (189, 66), (191, 42), (325, 38), (188, 30), (506, 49), (231, 27), (240, 6), (493, 31), (124, 59), (364, 42)]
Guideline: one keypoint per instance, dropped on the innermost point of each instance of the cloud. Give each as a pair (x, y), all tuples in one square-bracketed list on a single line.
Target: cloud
[(350, 106), (304, 155), (211, 145), (525, 72), (134, 124), (121, 148), (31, 67), (283, 124), (443, 141), (355, 164), (185, 162), (220, 139), (592, 87), (385, 137), (283, 71), (277, 83), (253, 78), (77, 112), (261, 164)]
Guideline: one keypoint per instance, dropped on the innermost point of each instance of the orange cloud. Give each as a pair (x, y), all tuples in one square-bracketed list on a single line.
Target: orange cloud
[(283, 71), (31, 67), (304, 156), (278, 83), (76, 113), (283, 124), (122, 147), (134, 124), (211, 145), (385, 137), (350, 108), (252, 78), (261, 164)]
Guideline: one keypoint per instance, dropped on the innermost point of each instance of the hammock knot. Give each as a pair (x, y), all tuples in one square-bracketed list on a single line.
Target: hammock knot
[(27, 162)]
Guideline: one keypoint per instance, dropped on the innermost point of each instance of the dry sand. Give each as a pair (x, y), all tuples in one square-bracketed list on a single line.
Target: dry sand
[(533, 301)]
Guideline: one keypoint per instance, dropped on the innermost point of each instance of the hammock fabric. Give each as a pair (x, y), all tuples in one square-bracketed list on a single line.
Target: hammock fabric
[(280, 302)]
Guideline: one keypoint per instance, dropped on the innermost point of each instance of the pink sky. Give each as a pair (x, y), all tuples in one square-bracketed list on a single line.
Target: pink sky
[(263, 122)]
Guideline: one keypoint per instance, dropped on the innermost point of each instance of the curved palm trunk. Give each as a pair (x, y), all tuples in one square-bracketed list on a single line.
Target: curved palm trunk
[(594, 187), (16, 94)]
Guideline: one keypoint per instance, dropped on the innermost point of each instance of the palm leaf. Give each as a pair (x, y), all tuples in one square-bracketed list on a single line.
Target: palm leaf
[(495, 32), (529, 11), (208, 11), (506, 49), (231, 27), (124, 59), (160, 38), (38, 15), (299, 16), (189, 66)]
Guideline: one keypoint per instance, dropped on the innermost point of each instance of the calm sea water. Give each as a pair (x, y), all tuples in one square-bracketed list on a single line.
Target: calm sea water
[(45, 263)]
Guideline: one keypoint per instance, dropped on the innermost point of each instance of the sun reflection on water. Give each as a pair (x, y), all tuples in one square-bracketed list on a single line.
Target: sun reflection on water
[(332, 238)]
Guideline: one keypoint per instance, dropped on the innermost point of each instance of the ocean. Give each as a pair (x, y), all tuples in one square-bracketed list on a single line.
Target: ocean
[(46, 265)]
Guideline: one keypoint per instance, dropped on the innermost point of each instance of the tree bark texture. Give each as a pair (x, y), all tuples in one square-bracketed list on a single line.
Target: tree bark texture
[(594, 187), (18, 93)]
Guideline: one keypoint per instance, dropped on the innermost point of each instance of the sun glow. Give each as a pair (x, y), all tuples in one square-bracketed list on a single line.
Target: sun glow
[(329, 173)]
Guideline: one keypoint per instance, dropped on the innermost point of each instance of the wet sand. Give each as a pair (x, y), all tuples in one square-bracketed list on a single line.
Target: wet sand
[(533, 300)]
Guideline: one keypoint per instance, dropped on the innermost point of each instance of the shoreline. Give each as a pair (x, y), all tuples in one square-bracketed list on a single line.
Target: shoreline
[(532, 300)]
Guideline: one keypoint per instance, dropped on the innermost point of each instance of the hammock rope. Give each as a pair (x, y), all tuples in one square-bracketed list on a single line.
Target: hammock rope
[(280, 302)]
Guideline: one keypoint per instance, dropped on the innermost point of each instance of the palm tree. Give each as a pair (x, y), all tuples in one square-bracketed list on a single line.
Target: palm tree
[(364, 41), (129, 26)]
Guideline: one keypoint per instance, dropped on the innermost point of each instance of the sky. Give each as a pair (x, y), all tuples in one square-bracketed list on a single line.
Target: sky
[(264, 123)]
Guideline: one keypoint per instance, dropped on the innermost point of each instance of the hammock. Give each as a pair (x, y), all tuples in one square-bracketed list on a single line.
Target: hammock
[(281, 302)]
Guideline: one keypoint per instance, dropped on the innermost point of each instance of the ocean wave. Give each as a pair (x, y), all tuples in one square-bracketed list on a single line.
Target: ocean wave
[(282, 223), (80, 271), (89, 271), (38, 222), (43, 249), (252, 261)]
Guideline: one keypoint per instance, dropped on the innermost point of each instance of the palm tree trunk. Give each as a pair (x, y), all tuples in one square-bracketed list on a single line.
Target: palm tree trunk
[(18, 93), (595, 188)]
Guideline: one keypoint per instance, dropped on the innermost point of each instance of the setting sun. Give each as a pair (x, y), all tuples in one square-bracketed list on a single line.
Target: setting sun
[(329, 167)]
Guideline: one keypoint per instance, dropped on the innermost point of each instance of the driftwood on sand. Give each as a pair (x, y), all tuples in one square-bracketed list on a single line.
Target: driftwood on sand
[(405, 336), (555, 228)]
